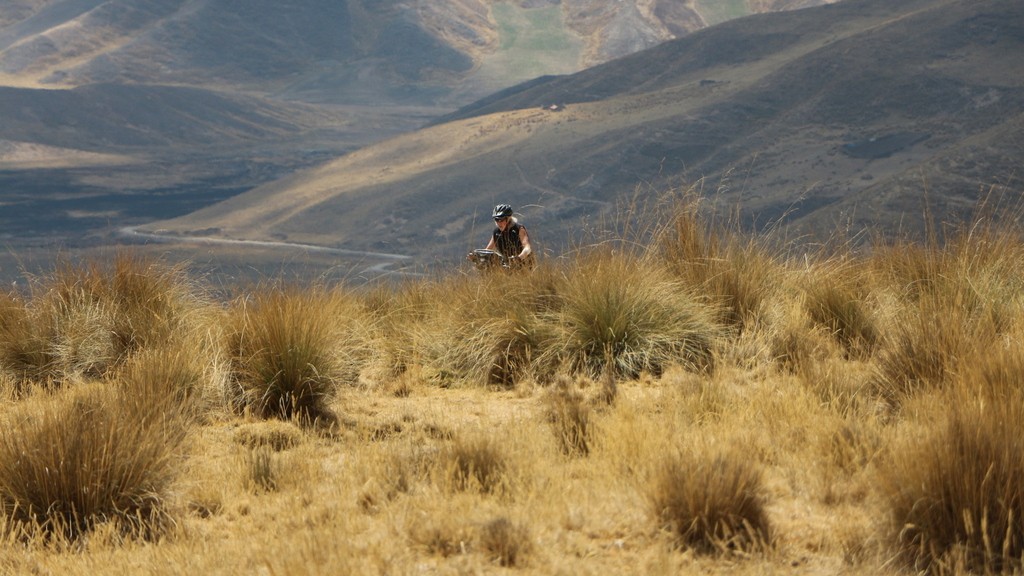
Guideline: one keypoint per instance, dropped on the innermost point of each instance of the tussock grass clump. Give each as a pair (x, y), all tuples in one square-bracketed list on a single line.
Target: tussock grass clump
[(570, 418), (182, 375), (26, 350), (262, 469), (505, 542), (86, 320), (154, 302), (929, 344), (92, 455), (852, 446), (394, 473), (489, 331), (275, 435), (837, 301), (711, 503), (737, 276), (518, 345), (63, 334), (395, 316), (443, 535), (960, 298), (500, 540), (740, 284), (963, 498), (449, 533), (956, 492), (475, 463), (288, 352), (631, 318)]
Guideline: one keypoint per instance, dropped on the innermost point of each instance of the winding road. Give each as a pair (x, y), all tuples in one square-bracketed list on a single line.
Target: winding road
[(382, 267)]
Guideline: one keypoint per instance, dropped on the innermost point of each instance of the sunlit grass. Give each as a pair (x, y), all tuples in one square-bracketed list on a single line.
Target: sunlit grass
[(955, 490), (616, 311), (90, 456), (706, 404), (712, 502), (290, 350)]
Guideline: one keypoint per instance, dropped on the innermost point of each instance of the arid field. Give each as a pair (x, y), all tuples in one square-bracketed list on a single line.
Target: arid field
[(679, 399)]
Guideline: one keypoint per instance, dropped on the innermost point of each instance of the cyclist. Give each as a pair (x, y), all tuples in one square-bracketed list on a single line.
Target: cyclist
[(510, 238)]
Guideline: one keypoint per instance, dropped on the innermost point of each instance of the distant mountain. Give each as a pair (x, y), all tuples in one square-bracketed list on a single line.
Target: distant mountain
[(842, 116), (340, 51)]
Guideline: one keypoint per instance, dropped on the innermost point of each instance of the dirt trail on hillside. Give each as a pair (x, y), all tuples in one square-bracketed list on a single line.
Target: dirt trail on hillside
[(383, 261)]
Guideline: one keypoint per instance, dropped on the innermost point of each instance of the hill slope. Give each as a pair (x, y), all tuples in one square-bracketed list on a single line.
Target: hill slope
[(837, 115)]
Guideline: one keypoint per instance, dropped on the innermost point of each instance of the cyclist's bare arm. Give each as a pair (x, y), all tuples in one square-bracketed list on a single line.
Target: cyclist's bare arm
[(524, 238)]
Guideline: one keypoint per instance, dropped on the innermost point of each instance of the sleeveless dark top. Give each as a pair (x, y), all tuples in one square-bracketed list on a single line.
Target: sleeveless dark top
[(508, 243)]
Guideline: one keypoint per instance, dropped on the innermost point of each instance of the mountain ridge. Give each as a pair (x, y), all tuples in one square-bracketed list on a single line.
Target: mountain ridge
[(348, 52)]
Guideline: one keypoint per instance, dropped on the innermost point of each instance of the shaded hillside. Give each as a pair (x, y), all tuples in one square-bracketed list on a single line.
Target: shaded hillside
[(75, 163), (837, 115), (112, 117)]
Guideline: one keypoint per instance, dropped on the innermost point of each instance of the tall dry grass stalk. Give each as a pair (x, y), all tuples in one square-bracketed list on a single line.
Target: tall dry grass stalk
[(739, 276), (500, 328), (837, 299), (25, 341), (953, 302), (475, 463), (155, 303), (570, 417), (506, 542), (930, 343), (187, 375), (396, 314)]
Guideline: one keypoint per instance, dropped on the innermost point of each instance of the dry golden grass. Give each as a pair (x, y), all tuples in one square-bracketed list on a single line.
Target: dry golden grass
[(86, 320), (712, 503), (291, 348), (89, 456), (640, 413), (955, 490)]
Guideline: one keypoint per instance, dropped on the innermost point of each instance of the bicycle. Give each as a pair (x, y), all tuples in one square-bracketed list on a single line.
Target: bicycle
[(489, 260)]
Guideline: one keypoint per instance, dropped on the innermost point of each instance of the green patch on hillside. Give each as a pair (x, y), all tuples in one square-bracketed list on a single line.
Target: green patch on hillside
[(533, 42), (718, 11)]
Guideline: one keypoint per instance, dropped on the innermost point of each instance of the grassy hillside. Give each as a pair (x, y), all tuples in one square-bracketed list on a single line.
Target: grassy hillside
[(351, 52), (532, 43), (718, 12), (674, 399)]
